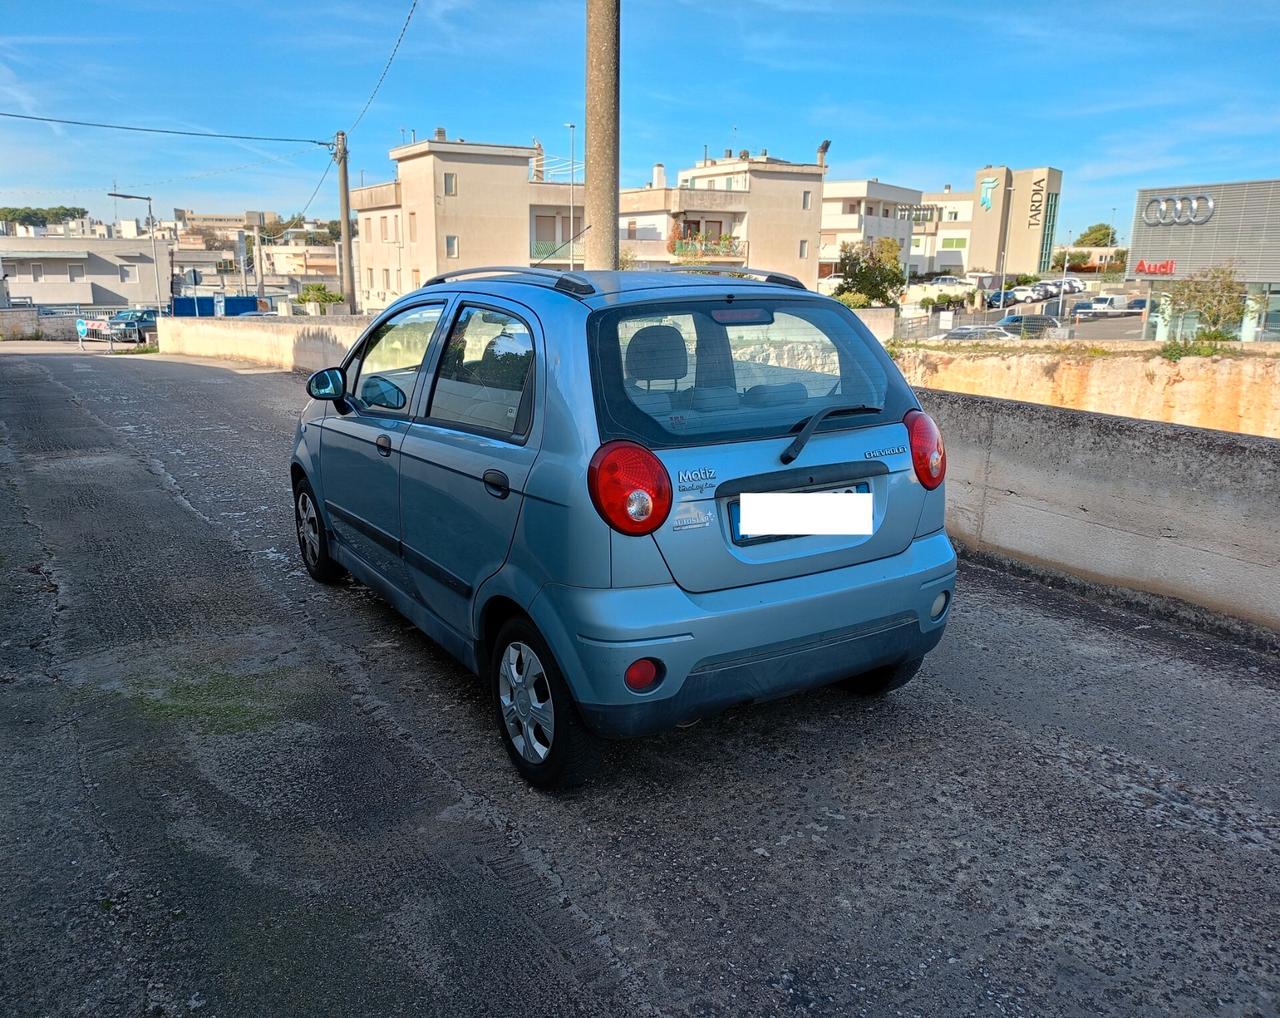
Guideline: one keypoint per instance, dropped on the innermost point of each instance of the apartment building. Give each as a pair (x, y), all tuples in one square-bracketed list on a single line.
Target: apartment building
[(854, 211), (457, 204), (737, 210), (85, 271), (1006, 223)]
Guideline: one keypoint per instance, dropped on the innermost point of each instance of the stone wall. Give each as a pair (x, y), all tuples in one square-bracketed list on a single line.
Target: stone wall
[(1174, 511), (1233, 393), (303, 344)]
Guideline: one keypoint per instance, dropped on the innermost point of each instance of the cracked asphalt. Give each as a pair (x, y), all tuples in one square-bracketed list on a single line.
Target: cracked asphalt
[(228, 791)]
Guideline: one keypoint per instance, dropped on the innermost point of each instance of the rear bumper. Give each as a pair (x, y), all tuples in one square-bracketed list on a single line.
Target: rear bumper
[(747, 643)]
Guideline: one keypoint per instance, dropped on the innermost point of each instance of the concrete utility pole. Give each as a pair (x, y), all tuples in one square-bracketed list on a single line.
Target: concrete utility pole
[(601, 205), (344, 210), (257, 259)]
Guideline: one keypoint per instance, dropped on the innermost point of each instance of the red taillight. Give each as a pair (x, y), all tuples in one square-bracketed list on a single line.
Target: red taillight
[(928, 454), (630, 488)]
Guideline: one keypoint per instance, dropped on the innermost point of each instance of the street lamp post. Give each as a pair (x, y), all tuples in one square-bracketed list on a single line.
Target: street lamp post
[(151, 224), (573, 173), (1004, 250)]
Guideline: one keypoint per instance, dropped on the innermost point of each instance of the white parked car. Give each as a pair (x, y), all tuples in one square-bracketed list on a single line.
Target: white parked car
[(1023, 293)]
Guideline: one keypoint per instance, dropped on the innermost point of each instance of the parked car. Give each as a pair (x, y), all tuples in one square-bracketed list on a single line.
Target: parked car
[(980, 332), (1111, 305), (1076, 285), (946, 281), (1028, 325), (1137, 305), (1041, 291), (1082, 309), (1001, 299), (132, 326), (526, 464), (258, 314), (1022, 294)]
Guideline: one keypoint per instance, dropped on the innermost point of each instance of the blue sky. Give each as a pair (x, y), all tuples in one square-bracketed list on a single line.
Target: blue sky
[(1118, 95)]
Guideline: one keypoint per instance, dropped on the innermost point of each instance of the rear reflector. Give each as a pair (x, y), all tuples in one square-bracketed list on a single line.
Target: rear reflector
[(642, 675)]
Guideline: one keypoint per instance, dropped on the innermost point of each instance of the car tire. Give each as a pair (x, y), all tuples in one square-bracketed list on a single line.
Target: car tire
[(883, 680), (313, 543), (528, 692)]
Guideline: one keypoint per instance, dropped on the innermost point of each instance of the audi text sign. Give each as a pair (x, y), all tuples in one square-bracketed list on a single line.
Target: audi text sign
[(1165, 268)]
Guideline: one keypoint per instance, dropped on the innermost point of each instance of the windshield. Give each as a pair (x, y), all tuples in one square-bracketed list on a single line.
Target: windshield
[(688, 372)]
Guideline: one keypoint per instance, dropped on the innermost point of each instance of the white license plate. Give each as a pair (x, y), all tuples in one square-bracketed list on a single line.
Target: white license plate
[(803, 513)]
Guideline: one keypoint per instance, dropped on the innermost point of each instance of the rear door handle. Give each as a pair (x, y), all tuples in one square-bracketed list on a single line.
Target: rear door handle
[(496, 483), (383, 443)]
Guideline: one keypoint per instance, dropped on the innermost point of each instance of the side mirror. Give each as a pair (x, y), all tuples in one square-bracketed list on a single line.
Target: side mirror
[(330, 384), (381, 392)]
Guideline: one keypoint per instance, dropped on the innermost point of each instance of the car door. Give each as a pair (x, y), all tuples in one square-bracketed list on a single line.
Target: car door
[(361, 437), (465, 459)]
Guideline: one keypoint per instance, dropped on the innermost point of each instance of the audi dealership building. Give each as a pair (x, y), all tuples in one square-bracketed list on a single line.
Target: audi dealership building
[(1183, 229)]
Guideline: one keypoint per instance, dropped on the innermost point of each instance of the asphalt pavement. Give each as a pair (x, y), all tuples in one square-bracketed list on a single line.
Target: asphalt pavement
[(229, 791)]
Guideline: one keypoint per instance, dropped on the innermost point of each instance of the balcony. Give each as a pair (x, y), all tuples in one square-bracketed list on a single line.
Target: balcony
[(556, 250), (725, 246)]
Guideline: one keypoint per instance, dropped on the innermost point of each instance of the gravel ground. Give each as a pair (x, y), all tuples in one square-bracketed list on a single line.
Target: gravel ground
[(229, 791)]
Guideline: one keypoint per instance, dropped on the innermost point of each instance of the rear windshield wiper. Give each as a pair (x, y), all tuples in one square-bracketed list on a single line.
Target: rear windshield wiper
[(811, 424)]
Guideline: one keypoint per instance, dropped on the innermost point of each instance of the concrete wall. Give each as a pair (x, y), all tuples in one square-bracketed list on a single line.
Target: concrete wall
[(303, 344), (19, 323), (1227, 393), (881, 321), (1174, 511)]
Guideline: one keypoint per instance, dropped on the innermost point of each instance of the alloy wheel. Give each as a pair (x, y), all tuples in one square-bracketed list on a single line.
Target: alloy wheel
[(308, 528), (524, 696)]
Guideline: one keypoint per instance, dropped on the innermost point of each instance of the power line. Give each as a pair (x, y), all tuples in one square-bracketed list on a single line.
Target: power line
[(303, 214), (163, 130), (394, 50)]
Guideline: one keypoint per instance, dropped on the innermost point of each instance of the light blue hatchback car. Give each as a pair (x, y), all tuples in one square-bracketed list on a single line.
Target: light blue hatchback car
[(549, 474)]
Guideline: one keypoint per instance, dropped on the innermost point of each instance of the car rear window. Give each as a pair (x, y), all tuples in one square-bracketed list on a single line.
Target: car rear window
[(691, 372)]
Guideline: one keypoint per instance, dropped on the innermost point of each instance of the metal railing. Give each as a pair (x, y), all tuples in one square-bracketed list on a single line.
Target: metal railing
[(725, 246), (556, 250)]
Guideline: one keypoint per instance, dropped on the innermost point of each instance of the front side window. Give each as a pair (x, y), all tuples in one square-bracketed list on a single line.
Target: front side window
[(382, 376), (691, 372), (485, 379)]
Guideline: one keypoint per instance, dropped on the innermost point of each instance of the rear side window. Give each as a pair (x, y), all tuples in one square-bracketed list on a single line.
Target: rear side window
[(485, 381), (692, 372)]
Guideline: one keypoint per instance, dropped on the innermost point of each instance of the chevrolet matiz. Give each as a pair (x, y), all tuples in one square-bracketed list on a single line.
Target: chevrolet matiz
[(628, 500)]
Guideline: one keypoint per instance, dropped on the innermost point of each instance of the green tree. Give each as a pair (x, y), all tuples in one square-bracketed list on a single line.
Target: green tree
[(317, 293), (1215, 296), (872, 270), (28, 216), (1119, 259), (1075, 259), (1097, 235)]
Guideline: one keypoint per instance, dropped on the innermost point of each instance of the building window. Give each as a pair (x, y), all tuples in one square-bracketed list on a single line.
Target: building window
[(417, 278), (728, 183), (386, 279), (370, 271), (631, 229), (399, 282), (37, 272), (804, 249), (75, 273), (128, 273), (368, 227), (451, 184), (870, 209), (395, 228), (382, 226), (953, 216), (954, 243), (711, 185), (806, 200), (413, 227), (451, 246), (886, 212)]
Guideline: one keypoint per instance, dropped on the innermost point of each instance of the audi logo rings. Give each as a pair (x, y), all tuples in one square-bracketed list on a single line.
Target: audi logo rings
[(1184, 210)]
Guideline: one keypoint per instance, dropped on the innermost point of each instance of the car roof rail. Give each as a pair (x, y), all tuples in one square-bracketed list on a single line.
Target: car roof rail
[(566, 282), (766, 275)]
